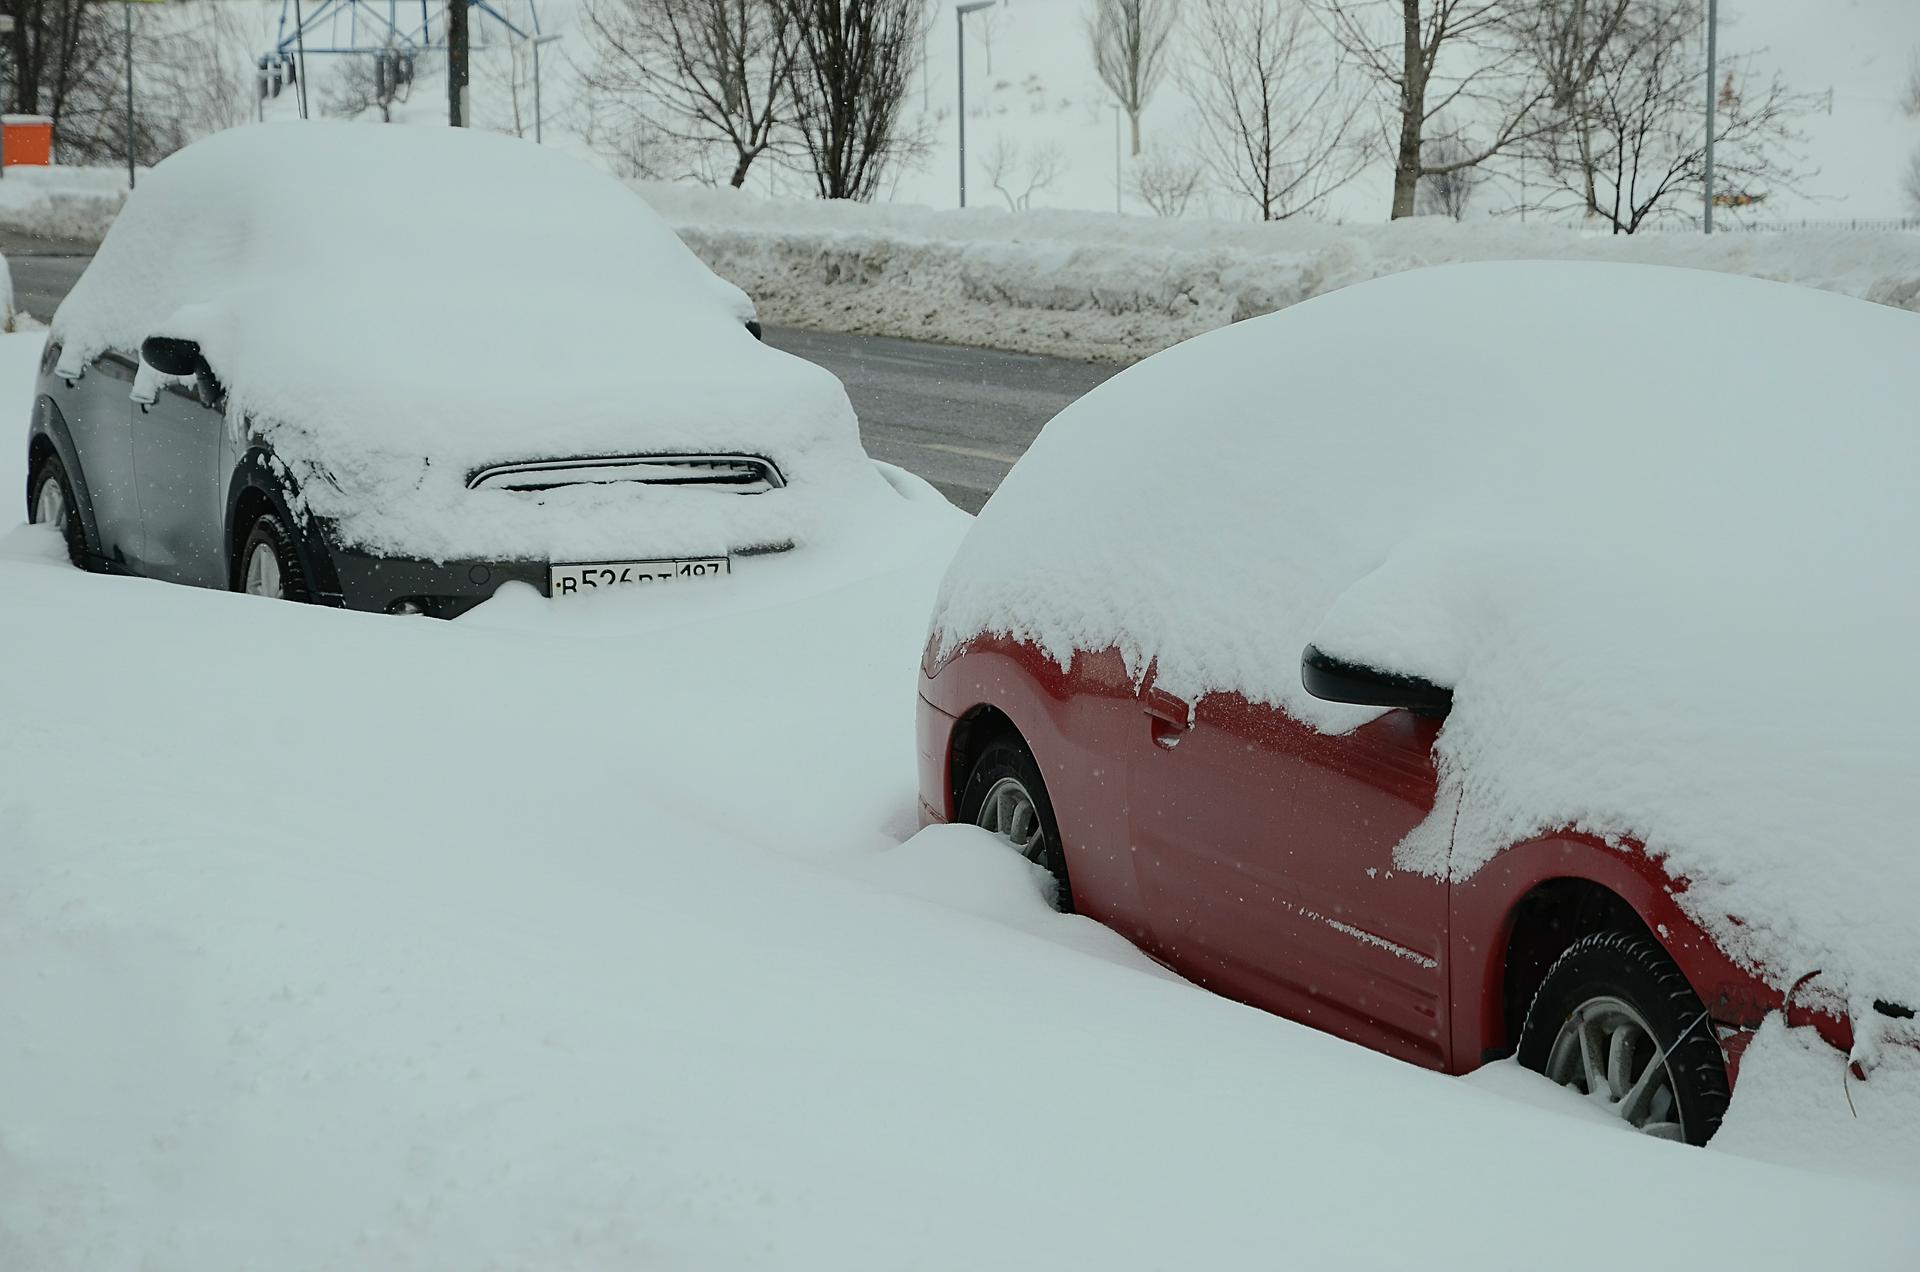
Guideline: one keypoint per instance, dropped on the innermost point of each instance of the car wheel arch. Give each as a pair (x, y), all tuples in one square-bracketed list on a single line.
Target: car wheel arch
[(1547, 921), (49, 435), (260, 486), (975, 730), (1576, 880)]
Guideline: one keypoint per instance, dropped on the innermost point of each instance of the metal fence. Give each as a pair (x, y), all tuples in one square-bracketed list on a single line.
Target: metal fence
[(1832, 225)]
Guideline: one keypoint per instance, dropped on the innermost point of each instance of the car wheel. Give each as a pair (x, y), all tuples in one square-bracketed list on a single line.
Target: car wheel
[(50, 502), (269, 563), (1617, 1021), (1004, 795)]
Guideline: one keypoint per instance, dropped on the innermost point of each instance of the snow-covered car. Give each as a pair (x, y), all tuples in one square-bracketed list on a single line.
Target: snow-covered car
[(396, 368), (1490, 660)]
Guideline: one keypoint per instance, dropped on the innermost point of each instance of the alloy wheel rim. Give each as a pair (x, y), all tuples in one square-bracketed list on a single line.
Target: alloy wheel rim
[(1606, 1051), (50, 505), (263, 572), (1009, 812)]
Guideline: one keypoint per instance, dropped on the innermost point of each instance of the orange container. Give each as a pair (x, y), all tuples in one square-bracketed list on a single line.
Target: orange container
[(27, 139)]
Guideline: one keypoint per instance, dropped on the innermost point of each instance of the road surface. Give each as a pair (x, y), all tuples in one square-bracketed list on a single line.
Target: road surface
[(958, 417)]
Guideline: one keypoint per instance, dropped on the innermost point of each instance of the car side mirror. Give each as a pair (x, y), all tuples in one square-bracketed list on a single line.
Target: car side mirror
[(171, 355), (1337, 680)]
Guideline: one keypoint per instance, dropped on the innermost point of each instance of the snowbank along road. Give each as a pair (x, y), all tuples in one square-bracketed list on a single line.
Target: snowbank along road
[(957, 416)]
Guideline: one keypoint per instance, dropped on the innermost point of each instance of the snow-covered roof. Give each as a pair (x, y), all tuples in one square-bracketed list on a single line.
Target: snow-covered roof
[(405, 305), (1654, 526)]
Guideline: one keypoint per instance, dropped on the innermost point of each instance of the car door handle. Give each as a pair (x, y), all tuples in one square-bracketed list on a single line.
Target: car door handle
[(1169, 716)]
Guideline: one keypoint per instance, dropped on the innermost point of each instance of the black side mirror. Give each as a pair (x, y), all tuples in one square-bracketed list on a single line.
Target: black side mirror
[(171, 355), (1334, 680)]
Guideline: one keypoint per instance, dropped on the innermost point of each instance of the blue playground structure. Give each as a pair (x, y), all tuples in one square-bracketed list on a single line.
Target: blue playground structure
[(374, 26)]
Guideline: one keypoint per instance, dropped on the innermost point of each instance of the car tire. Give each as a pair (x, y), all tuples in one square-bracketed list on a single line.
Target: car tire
[(1004, 794), (50, 498), (1616, 1020), (269, 562)]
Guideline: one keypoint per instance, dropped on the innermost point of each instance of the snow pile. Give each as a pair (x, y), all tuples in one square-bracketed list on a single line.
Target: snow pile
[(541, 311), (72, 205), (582, 935), (1653, 526), (1111, 288)]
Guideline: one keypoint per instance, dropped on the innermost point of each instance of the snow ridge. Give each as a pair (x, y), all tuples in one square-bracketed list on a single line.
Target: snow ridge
[(1116, 288)]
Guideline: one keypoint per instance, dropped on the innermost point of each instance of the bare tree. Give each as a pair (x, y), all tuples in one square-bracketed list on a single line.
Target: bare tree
[(1910, 98), (1129, 39), (989, 25), (191, 76), (1449, 189), (1638, 153), (1167, 181), (67, 62), (1566, 41), (1019, 175), (367, 81), (706, 72), (1913, 183), (1403, 45), (636, 148), (852, 63), (1274, 114)]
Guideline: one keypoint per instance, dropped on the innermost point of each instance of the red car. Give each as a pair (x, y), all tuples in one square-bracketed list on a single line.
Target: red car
[(1261, 856)]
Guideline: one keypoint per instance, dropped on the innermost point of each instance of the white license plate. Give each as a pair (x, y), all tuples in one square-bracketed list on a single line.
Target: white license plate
[(598, 576)]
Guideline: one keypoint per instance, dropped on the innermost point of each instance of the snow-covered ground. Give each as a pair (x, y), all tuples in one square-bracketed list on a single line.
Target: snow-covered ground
[(61, 202), (1102, 286), (597, 936), (1115, 288)]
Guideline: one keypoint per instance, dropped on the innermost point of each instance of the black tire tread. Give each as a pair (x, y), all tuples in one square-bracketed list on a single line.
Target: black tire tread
[(51, 469), (1634, 967), (1008, 756), (269, 528)]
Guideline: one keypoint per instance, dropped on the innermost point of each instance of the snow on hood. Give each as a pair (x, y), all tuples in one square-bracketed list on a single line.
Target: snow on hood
[(1655, 527), (401, 306)]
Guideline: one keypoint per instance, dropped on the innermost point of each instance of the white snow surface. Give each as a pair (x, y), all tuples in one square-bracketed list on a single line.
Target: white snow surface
[(539, 310), (1653, 526), (73, 204), (594, 935), (1117, 288)]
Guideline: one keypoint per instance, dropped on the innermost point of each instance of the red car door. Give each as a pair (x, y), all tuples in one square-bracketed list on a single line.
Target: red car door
[(1264, 851)]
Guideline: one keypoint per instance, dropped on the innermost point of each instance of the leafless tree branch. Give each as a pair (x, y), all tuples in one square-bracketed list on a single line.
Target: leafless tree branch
[(1274, 111), (1129, 40), (1425, 58), (853, 61), (706, 72), (1167, 181)]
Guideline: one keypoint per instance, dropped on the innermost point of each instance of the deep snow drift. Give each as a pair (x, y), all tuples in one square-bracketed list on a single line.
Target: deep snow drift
[(1663, 559), (583, 936), (1114, 289)]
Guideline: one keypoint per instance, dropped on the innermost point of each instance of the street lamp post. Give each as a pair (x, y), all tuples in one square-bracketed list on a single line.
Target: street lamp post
[(6, 28), (960, 12), (1713, 91), (537, 41)]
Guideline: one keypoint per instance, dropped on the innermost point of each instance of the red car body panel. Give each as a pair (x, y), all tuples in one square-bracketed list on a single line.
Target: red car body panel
[(1254, 855)]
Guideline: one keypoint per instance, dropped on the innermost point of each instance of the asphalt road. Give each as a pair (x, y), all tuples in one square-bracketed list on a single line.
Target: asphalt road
[(41, 276), (958, 417)]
